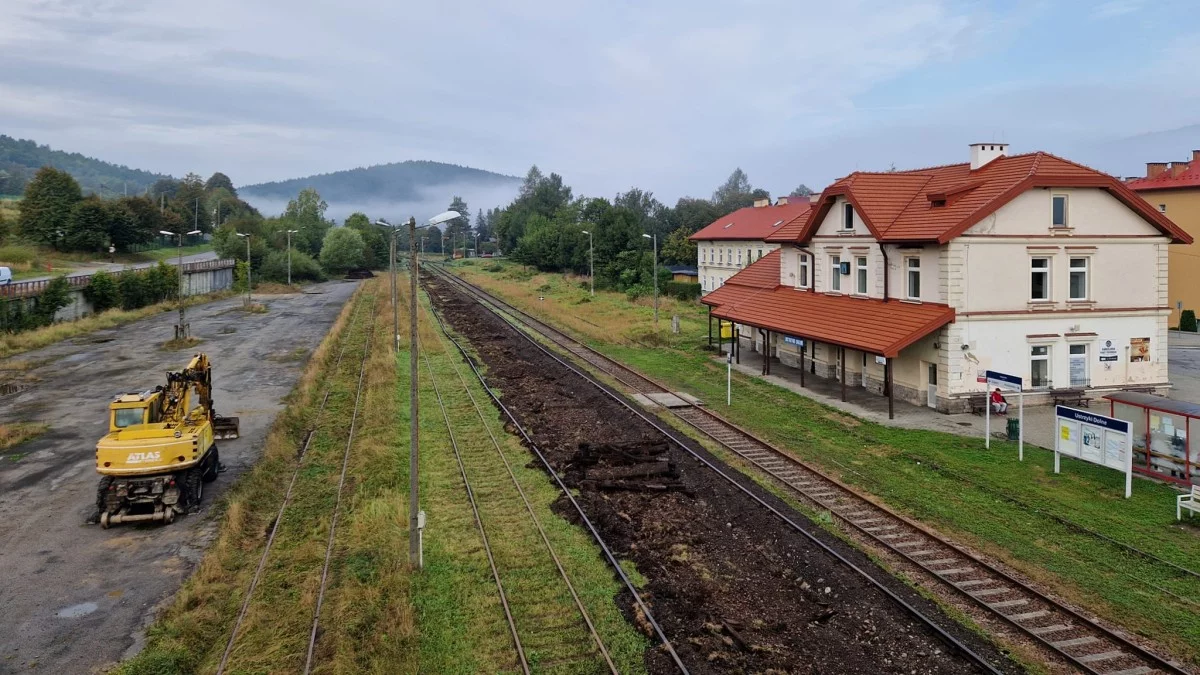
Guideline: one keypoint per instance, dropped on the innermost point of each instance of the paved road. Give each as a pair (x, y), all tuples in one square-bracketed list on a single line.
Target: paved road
[(1183, 357), (75, 597), (91, 268)]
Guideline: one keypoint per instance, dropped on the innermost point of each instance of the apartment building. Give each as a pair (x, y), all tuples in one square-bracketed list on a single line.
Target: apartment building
[(1174, 189), (913, 283)]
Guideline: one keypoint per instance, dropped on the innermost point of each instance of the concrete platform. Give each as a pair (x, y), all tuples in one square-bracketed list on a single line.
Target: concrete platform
[(677, 399)]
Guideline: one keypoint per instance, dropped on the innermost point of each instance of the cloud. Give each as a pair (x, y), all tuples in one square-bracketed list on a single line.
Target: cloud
[(668, 96)]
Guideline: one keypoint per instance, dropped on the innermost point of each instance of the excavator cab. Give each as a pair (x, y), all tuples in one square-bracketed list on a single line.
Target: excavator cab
[(136, 408)]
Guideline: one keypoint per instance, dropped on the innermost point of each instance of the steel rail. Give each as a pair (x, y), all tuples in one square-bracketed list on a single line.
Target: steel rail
[(854, 517), (587, 619), (566, 492), (344, 339), (337, 504), (487, 547), (951, 641)]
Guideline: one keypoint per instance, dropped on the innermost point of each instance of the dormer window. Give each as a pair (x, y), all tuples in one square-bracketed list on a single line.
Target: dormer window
[(847, 216)]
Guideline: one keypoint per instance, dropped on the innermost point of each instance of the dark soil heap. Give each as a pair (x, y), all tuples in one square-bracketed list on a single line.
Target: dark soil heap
[(733, 587)]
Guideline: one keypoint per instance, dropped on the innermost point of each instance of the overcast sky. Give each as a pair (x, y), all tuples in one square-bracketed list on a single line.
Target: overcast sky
[(668, 96)]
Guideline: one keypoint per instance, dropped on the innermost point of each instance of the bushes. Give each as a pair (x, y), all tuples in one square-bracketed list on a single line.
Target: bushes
[(1187, 321), (304, 267), (103, 292), (342, 250), (146, 287), (682, 290)]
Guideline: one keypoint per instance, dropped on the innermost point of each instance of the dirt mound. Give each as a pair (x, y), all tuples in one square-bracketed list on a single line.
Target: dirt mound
[(641, 466)]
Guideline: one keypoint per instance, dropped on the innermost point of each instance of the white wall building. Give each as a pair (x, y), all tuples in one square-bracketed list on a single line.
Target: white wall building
[(1029, 265), (732, 242)]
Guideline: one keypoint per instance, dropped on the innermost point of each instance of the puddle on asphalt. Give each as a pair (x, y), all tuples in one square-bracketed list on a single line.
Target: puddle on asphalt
[(76, 611)]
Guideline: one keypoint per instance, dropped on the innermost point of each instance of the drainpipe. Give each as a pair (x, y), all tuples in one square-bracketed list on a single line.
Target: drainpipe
[(887, 272)]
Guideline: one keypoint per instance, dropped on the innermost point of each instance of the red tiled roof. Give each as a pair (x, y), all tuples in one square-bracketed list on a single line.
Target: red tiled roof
[(755, 297), (1164, 181), (940, 203), (754, 223)]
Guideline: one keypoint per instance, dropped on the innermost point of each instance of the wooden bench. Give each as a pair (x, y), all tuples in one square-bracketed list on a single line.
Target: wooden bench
[(1189, 501), (1077, 397), (979, 403)]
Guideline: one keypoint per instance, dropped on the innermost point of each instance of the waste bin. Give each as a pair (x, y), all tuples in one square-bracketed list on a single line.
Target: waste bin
[(1014, 428)]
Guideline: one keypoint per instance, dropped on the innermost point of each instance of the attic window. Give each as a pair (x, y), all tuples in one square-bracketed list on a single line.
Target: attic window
[(937, 202)]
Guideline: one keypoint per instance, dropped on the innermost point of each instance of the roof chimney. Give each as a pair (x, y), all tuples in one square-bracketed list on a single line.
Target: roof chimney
[(782, 201), (982, 153), (1178, 168), (1155, 169), (759, 203)]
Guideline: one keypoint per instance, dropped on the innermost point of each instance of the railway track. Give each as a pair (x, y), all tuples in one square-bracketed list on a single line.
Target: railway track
[(1080, 641), (302, 454), (642, 608), (551, 630)]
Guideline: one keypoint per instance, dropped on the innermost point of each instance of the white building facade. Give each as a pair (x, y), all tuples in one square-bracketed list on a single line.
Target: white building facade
[(1028, 265)]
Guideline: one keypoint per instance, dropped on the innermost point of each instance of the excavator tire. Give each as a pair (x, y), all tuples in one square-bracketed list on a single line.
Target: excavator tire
[(193, 489), (213, 467), (102, 495)]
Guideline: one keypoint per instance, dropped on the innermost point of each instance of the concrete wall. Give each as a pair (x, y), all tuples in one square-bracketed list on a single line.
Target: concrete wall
[(199, 282)]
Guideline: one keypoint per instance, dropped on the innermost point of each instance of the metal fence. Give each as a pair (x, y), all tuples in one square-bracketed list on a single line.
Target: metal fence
[(29, 289)]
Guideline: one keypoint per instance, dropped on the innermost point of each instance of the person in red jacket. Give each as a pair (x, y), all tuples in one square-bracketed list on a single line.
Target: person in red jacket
[(998, 403)]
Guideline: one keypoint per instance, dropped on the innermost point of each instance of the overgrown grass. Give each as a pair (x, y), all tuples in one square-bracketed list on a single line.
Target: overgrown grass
[(1019, 512), (17, 343), (456, 596), (16, 433)]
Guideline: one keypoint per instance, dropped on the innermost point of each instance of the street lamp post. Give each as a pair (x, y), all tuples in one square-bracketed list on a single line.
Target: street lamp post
[(655, 239), (591, 262), (392, 229), (181, 330), (415, 518), (289, 242), (476, 244), (249, 298)]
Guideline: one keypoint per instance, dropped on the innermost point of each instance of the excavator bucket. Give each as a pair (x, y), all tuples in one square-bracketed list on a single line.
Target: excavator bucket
[(225, 427)]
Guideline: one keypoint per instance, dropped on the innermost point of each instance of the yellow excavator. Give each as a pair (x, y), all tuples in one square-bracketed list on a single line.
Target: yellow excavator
[(160, 448)]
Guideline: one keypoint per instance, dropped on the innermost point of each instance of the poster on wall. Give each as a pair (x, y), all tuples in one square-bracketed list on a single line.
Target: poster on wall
[(1139, 349), (1108, 351)]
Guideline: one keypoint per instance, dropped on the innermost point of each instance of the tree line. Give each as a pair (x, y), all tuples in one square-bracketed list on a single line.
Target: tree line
[(545, 227)]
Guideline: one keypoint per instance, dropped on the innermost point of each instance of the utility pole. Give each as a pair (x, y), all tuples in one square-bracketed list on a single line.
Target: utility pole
[(196, 224), (414, 504), (249, 298), (591, 262), (181, 329), (289, 243), (655, 239)]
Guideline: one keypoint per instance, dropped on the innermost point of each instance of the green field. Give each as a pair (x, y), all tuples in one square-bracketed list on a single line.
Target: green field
[(1063, 531)]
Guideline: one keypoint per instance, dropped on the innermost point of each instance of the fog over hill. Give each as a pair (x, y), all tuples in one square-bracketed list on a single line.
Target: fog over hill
[(393, 191)]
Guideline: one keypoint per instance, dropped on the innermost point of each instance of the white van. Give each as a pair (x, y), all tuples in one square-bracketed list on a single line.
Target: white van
[(5, 276)]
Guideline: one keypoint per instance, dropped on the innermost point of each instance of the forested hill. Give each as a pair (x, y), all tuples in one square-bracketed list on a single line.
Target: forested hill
[(408, 181), (20, 159)]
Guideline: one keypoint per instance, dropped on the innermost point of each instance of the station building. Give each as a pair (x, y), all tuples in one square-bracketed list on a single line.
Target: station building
[(913, 283), (732, 242)]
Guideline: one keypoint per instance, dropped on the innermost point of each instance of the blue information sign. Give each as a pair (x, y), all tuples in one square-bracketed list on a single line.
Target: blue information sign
[(997, 379), (799, 342), (1092, 419)]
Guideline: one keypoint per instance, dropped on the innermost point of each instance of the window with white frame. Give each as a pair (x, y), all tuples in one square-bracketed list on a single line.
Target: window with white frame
[(759, 254), (1039, 366), (847, 216), (739, 257), (721, 256), (1058, 208), (804, 271), (729, 255), (912, 288), (860, 265), (1079, 278), (1162, 208), (835, 273), (1039, 279), (1078, 354)]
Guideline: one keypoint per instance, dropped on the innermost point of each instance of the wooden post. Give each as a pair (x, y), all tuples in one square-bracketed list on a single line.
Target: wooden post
[(710, 325), (842, 351), (767, 355), (737, 344), (887, 383)]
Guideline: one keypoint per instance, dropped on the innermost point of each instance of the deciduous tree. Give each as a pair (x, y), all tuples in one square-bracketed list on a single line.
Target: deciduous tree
[(46, 208), (342, 250)]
